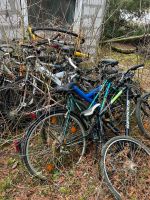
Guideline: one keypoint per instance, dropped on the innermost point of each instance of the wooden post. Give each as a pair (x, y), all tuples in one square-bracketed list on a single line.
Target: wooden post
[(88, 21)]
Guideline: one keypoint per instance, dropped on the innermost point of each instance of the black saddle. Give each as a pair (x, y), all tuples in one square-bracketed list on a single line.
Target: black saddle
[(111, 62)]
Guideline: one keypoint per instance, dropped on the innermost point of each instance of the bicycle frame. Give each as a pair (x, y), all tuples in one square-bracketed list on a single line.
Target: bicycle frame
[(102, 111), (89, 97), (72, 101), (35, 87), (113, 100)]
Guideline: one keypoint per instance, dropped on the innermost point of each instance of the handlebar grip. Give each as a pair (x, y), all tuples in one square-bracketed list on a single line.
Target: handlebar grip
[(80, 54), (136, 67)]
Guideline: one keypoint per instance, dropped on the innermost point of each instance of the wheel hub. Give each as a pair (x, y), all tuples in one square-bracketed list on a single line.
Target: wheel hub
[(130, 165), (13, 113)]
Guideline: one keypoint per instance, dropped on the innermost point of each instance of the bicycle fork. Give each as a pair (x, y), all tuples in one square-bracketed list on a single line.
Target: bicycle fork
[(127, 126)]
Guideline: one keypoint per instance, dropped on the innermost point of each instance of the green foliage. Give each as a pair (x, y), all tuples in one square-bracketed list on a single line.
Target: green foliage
[(136, 7), (5, 184), (116, 25), (65, 190)]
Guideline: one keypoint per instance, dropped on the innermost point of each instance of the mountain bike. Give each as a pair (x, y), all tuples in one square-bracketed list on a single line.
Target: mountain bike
[(57, 139)]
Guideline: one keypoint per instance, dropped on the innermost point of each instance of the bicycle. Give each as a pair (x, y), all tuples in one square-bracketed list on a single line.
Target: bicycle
[(62, 134), (28, 90)]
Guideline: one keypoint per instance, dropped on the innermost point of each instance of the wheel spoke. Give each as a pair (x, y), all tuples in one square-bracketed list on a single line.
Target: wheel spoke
[(54, 147), (127, 170)]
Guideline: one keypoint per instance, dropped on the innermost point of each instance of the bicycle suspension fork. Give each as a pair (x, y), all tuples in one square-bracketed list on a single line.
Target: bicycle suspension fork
[(127, 127)]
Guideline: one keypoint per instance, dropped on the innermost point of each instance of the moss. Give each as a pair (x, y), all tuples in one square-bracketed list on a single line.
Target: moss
[(55, 175), (89, 191), (5, 184), (133, 197), (65, 190), (82, 198), (45, 191), (11, 161)]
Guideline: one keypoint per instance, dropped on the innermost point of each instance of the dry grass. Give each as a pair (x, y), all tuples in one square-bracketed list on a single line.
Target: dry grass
[(80, 183)]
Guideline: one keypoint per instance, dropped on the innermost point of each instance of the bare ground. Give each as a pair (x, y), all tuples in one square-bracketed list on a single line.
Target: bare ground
[(81, 183)]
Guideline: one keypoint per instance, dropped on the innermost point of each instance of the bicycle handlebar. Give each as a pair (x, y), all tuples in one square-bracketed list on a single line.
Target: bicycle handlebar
[(135, 67), (57, 44), (56, 30), (127, 75)]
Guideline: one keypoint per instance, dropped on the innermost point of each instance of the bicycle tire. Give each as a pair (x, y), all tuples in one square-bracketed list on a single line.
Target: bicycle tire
[(10, 96), (14, 116), (55, 139), (141, 107), (129, 168)]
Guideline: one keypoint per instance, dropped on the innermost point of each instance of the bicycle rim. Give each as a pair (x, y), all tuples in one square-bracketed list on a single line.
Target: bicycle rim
[(143, 115), (125, 166), (46, 153)]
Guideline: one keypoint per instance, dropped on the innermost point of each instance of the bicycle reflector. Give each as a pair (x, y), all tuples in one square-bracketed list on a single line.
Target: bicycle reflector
[(53, 120), (33, 116), (73, 129), (49, 167), (17, 146)]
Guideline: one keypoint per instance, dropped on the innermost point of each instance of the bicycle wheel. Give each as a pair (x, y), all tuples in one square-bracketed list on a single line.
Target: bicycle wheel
[(125, 167), (10, 97), (17, 102), (53, 144), (143, 114)]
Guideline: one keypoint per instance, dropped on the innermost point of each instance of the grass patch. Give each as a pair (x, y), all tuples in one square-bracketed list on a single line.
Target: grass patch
[(125, 60), (64, 190), (5, 184)]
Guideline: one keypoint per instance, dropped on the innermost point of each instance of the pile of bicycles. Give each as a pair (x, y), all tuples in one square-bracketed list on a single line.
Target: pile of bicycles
[(55, 108)]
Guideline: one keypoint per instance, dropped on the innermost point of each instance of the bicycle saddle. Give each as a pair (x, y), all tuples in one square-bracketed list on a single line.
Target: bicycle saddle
[(90, 111), (111, 62)]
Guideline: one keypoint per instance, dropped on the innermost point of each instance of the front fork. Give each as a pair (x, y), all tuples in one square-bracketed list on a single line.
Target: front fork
[(67, 117), (98, 136), (127, 126)]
